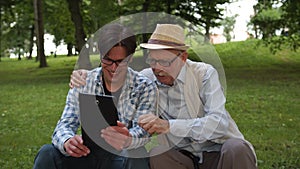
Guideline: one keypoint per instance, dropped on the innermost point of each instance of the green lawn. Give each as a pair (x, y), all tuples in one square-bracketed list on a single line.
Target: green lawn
[(263, 96)]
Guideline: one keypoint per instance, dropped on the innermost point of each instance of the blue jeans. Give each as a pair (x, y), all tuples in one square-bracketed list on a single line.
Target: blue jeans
[(49, 157)]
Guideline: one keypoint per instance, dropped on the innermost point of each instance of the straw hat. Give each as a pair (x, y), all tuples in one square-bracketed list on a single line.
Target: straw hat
[(166, 36)]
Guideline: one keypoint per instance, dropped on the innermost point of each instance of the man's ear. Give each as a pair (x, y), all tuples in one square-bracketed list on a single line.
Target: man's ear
[(184, 56)]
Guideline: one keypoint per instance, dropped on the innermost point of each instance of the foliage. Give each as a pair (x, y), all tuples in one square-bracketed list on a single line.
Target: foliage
[(292, 15), (17, 20), (228, 24), (205, 13), (262, 97), (58, 22), (268, 21), (292, 22), (97, 13), (281, 16)]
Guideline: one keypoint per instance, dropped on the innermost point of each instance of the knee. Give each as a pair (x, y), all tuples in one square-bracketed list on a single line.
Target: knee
[(140, 152), (235, 147), (239, 152), (46, 150), (158, 150), (138, 163), (157, 154), (46, 153), (154, 152)]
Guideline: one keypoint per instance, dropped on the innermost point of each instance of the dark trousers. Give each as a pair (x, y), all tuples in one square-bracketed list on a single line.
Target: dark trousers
[(49, 157), (234, 154)]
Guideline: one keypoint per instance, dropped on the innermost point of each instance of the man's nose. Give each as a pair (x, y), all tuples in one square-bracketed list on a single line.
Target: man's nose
[(114, 66)]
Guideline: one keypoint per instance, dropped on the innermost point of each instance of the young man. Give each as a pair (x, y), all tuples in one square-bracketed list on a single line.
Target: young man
[(135, 96), (198, 131)]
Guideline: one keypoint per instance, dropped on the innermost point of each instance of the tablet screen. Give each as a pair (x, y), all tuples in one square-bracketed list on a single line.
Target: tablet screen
[(107, 107)]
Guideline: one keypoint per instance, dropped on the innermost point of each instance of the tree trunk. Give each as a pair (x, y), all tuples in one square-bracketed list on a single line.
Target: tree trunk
[(74, 8), (207, 35), (69, 48), (84, 59), (19, 53), (31, 41), (18, 43), (39, 27)]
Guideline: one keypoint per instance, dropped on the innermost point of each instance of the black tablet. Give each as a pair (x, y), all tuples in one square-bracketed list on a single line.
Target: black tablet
[(91, 106), (97, 112), (107, 107)]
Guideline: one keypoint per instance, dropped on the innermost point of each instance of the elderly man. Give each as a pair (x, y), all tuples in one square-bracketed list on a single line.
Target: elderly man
[(197, 129)]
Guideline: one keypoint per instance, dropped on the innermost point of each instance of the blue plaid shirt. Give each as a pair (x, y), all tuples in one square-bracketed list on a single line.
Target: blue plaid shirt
[(138, 96)]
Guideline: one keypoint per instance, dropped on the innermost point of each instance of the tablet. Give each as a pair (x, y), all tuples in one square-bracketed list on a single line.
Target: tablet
[(104, 105), (97, 112)]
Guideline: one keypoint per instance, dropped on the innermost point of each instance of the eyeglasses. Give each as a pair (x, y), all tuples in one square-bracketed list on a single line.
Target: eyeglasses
[(120, 62), (165, 63)]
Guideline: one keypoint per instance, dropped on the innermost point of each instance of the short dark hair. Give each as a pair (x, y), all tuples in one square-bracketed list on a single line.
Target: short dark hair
[(115, 34)]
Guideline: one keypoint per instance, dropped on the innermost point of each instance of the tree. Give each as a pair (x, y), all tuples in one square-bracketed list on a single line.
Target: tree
[(74, 8), (97, 13), (87, 16), (16, 21), (39, 32), (3, 5), (291, 18), (0, 32), (281, 16), (228, 24), (206, 13), (58, 23), (84, 59), (268, 21)]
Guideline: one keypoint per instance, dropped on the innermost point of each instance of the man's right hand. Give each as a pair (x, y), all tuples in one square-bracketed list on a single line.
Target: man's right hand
[(78, 78), (75, 147)]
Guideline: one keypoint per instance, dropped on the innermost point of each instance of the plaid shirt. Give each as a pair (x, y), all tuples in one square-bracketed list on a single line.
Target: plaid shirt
[(138, 97)]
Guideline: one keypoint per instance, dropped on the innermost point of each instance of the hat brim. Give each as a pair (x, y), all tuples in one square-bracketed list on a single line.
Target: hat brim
[(159, 46)]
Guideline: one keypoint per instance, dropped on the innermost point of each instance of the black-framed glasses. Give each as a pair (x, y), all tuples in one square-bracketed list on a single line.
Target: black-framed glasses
[(121, 62), (165, 63)]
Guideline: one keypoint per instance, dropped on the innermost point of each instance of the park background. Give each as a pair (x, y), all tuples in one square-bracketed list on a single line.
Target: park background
[(262, 72)]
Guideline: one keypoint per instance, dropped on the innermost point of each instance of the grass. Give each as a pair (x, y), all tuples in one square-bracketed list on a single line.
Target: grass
[(31, 101), (263, 97)]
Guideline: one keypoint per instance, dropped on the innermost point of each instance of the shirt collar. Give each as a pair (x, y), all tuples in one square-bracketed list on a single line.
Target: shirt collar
[(182, 74)]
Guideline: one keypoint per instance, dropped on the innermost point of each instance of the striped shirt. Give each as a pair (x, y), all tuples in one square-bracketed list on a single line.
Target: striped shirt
[(210, 126)]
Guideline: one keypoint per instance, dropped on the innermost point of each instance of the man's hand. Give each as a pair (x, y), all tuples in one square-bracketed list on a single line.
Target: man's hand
[(153, 124), (78, 78), (117, 136), (75, 148)]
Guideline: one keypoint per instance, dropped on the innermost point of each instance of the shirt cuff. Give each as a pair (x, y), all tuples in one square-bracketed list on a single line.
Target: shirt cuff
[(181, 127), (61, 145)]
